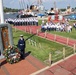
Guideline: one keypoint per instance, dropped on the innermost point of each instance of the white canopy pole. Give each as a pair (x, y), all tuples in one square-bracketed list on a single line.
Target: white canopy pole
[(1, 12)]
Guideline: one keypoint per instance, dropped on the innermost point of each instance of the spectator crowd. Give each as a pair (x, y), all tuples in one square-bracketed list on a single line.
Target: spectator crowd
[(60, 26)]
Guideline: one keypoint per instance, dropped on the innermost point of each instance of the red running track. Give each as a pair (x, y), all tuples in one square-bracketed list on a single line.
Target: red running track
[(57, 38)]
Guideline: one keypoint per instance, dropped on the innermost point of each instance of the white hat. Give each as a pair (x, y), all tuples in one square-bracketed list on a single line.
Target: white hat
[(21, 35)]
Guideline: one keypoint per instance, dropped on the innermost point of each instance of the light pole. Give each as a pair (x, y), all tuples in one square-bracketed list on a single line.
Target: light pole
[(1, 12)]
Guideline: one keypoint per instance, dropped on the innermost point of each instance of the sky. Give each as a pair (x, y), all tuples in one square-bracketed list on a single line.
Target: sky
[(17, 4)]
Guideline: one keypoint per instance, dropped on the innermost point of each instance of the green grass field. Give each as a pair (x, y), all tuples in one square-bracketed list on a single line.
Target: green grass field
[(40, 48), (65, 34)]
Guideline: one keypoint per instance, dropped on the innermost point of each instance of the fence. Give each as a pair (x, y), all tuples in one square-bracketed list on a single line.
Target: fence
[(61, 54), (55, 55), (34, 43), (52, 37)]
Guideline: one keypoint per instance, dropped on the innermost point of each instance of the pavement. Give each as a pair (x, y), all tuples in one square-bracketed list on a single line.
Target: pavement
[(24, 67), (66, 67)]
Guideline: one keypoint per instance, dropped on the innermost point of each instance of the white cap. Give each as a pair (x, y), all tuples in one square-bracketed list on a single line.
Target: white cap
[(21, 35)]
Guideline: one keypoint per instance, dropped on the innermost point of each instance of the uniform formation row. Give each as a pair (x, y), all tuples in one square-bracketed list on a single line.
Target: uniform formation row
[(22, 21)]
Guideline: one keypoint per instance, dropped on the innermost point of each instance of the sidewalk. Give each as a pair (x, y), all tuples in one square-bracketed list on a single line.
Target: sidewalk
[(24, 67), (66, 67)]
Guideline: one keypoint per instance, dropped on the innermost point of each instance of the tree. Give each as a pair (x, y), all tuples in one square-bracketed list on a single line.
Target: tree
[(10, 10)]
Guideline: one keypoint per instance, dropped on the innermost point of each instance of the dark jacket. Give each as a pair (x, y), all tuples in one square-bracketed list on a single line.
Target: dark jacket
[(21, 44), (0, 52)]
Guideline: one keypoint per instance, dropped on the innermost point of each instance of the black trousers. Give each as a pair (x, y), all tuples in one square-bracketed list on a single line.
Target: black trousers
[(22, 53)]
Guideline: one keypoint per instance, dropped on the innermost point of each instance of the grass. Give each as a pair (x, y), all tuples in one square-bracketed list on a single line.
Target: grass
[(42, 48), (39, 22), (72, 21), (66, 34)]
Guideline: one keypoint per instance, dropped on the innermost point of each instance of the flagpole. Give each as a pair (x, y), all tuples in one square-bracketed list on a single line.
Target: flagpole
[(1, 12)]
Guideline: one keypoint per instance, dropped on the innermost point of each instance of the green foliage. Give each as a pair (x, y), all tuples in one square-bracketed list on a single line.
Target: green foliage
[(63, 9), (10, 10), (12, 54)]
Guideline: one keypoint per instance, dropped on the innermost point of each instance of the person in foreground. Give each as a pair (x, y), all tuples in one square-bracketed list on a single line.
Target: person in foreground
[(21, 46)]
